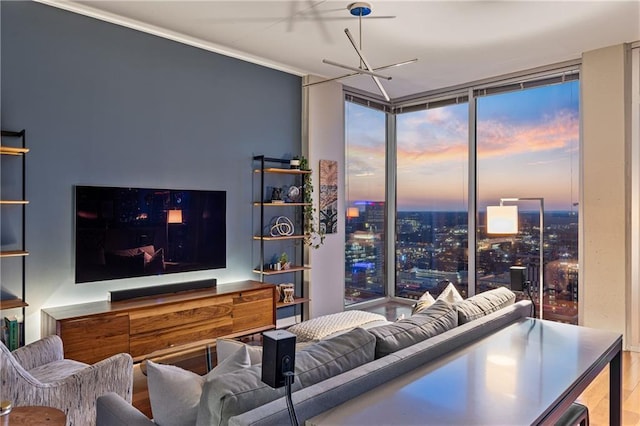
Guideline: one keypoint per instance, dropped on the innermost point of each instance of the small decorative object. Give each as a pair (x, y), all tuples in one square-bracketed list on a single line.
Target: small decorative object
[(294, 194), (294, 163), (287, 291), (276, 195), (288, 295), (281, 226), (273, 266), (279, 292), (284, 261)]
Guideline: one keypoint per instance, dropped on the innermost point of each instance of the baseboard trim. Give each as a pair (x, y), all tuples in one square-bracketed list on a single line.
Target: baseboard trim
[(120, 295)]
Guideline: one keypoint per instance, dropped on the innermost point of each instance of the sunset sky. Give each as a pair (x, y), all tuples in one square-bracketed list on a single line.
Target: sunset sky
[(527, 147)]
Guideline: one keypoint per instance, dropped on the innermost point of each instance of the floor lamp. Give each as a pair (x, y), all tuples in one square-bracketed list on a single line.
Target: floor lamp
[(504, 220)]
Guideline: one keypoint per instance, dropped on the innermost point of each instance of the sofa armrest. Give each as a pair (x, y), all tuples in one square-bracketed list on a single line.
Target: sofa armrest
[(40, 352), (112, 410)]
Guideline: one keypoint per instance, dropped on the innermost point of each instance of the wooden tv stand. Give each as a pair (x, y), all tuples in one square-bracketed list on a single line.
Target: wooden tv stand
[(94, 331)]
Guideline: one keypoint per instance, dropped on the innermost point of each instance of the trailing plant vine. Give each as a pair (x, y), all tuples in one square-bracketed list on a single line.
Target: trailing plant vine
[(313, 235)]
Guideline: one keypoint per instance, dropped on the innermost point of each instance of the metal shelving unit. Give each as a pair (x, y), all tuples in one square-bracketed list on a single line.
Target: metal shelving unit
[(263, 167), (9, 299)]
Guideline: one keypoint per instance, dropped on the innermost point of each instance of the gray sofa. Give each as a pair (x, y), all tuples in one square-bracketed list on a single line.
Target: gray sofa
[(391, 351)]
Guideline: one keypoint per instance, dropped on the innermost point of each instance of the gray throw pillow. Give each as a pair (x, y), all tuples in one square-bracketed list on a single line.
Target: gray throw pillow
[(238, 392), (484, 303), (436, 319)]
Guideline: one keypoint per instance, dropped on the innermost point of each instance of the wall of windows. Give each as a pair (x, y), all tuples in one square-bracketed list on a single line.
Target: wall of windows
[(525, 144)]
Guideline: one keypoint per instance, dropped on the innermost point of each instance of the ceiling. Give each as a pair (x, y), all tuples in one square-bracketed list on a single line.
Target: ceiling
[(455, 42)]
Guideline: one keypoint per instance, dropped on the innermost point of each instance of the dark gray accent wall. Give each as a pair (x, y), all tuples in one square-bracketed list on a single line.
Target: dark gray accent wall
[(107, 105)]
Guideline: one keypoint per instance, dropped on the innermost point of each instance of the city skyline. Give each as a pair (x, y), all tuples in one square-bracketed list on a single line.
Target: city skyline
[(527, 147)]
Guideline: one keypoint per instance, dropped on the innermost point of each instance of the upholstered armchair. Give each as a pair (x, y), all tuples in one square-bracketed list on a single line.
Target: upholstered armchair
[(38, 374)]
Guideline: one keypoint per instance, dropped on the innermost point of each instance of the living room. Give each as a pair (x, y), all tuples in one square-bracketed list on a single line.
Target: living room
[(108, 105)]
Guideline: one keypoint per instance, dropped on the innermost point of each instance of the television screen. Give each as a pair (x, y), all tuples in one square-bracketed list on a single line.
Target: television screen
[(132, 232)]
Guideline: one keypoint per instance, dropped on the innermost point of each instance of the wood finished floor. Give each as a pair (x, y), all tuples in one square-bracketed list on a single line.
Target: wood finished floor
[(595, 397)]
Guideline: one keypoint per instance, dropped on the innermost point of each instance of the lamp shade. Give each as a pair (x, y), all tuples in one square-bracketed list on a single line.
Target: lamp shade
[(502, 219), (353, 212), (174, 216)]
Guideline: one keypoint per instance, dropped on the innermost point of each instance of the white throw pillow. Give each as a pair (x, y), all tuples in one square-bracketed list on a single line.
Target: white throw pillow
[(227, 347), (174, 393), (423, 303), (450, 294)]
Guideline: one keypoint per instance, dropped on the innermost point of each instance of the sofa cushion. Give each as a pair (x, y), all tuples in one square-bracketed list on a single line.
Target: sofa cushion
[(436, 319), (174, 393), (56, 370), (484, 303), (240, 391), (326, 325)]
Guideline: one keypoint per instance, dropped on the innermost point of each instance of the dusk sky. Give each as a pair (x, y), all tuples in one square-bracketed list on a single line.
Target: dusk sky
[(527, 147)]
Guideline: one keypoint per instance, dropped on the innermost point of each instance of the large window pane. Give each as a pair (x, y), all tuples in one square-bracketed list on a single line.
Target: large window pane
[(527, 147), (365, 136), (432, 201)]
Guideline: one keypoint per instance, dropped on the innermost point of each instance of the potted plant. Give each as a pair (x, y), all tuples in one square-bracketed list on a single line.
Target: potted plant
[(313, 235), (284, 261)]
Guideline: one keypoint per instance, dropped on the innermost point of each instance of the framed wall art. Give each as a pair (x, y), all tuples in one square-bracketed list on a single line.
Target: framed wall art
[(328, 211)]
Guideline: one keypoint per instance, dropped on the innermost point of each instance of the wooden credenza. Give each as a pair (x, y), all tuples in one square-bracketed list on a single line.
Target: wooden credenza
[(94, 331)]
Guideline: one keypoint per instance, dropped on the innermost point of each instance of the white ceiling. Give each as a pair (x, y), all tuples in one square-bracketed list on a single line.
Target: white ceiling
[(455, 41)]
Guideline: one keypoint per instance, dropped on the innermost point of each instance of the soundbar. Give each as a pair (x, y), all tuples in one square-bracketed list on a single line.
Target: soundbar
[(120, 295)]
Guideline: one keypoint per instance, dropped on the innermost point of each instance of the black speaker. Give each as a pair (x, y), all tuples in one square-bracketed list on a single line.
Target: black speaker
[(278, 356), (518, 277)]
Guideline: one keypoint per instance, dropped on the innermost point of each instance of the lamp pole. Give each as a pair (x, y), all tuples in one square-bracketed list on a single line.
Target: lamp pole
[(541, 267)]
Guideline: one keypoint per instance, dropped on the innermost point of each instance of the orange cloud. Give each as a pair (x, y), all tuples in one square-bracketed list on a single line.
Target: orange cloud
[(558, 132)]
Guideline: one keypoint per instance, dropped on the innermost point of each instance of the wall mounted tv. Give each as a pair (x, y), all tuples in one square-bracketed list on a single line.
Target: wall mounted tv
[(132, 232)]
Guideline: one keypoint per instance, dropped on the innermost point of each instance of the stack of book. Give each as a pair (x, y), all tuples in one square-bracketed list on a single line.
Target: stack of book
[(12, 333)]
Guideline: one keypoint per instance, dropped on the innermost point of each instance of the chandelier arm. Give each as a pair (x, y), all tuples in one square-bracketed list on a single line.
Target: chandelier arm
[(366, 64), (357, 70), (381, 88), (351, 74)]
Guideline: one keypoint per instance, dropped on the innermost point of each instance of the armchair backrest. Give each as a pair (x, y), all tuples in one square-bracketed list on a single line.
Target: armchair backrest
[(40, 352), (12, 372)]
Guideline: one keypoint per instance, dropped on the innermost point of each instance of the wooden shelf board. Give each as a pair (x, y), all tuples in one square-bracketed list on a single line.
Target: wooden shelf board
[(282, 271), (296, 301), (284, 171), (14, 202), (258, 203), (12, 303), (270, 238), (9, 150), (13, 253)]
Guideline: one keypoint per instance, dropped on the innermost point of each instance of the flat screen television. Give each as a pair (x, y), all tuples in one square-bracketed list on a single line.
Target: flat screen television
[(133, 232)]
